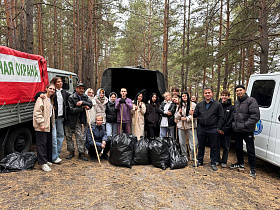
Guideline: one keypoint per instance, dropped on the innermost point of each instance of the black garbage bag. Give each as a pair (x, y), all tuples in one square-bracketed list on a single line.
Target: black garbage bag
[(17, 162), (121, 150), (159, 153), (141, 152), (176, 159)]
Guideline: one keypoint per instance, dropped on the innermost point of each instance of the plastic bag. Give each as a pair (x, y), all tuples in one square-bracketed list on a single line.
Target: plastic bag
[(176, 159), (159, 153), (121, 150), (141, 152), (17, 162)]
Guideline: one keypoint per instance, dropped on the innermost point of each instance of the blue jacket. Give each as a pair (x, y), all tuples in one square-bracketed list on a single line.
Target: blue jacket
[(99, 135)]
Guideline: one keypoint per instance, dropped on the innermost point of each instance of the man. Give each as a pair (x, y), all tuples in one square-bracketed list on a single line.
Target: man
[(209, 114), (124, 105), (225, 132), (246, 115), (78, 103), (100, 138)]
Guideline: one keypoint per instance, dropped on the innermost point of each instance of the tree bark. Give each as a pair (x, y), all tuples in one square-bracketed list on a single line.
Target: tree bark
[(165, 42), (183, 48), (226, 57), (263, 36), (220, 45), (9, 9), (188, 46), (77, 38), (29, 26), (40, 30), (55, 47), (22, 43), (90, 67)]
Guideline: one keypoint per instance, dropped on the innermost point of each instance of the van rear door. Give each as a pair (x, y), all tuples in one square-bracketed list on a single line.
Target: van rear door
[(264, 90), (275, 147)]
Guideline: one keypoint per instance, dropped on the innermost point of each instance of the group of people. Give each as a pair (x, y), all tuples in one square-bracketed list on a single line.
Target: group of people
[(88, 117)]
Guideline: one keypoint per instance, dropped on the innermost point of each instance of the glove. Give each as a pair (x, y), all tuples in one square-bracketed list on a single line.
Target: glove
[(122, 101)]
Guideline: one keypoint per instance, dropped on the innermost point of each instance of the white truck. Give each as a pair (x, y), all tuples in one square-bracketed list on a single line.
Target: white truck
[(265, 89), (22, 75)]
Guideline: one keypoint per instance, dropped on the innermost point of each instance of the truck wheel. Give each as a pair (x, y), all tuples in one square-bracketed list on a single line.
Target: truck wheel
[(19, 140)]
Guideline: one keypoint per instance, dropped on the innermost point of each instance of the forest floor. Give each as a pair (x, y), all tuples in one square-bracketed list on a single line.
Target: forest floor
[(76, 184)]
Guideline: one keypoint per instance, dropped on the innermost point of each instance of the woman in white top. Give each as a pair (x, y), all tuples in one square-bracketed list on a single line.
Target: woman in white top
[(137, 112)]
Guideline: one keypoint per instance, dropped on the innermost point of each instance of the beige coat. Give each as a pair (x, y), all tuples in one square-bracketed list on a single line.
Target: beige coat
[(188, 122), (100, 108), (139, 120), (41, 114)]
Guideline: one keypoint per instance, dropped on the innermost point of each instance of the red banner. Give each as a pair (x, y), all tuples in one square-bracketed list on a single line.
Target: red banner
[(22, 75)]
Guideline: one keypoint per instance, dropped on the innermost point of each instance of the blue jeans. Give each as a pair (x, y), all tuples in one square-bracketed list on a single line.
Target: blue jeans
[(164, 130), (57, 138), (111, 129)]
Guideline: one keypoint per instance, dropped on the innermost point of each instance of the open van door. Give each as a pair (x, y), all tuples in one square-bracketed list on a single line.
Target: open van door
[(276, 116)]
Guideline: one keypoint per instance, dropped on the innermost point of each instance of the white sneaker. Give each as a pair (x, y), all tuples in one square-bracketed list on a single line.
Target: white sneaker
[(49, 163), (58, 160), (46, 168)]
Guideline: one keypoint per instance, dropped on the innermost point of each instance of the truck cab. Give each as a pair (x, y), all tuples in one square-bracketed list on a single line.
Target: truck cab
[(265, 89)]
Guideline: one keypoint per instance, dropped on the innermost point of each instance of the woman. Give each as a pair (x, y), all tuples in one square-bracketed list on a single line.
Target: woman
[(167, 110), (137, 112), (152, 116), (111, 116), (185, 124), (43, 121), (101, 101), (91, 113)]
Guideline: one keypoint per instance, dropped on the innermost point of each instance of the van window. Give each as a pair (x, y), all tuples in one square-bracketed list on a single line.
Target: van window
[(262, 91), (65, 81)]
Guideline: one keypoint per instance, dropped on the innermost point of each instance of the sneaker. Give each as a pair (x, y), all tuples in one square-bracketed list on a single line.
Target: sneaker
[(57, 160), (49, 163), (46, 168), (71, 155), (82, 157), (252, 173), (197, 164), (214, 167), (236, 165), (217, 163), (224, 165)]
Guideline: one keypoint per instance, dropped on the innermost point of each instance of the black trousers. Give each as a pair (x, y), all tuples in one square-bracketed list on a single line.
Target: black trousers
[(248, 137), (44, 147), (153, 131), (202, 135), (92, 152), (225, 142)]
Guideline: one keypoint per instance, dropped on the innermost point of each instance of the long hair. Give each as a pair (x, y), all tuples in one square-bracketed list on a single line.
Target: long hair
[(136, 98), (157, 100), (52, 96), (188, 101), (54, 80)]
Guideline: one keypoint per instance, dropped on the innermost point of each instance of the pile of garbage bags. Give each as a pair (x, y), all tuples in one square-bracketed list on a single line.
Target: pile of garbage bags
[(126, 151), (17, 162)]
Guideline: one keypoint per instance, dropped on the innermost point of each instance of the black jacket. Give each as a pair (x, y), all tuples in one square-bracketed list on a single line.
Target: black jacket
[(209, 118), (77, 112), (152, 114), (172, 109), (228, 117), (246, 114), (111, 112), (65, 94)]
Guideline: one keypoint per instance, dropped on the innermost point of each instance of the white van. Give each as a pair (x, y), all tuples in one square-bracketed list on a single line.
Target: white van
[(265, 89)]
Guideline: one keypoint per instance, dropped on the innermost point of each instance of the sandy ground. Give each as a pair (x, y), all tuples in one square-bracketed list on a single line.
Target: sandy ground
[(76, 184)]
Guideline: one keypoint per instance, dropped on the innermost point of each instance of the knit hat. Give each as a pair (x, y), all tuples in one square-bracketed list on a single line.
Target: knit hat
[(239, 86)]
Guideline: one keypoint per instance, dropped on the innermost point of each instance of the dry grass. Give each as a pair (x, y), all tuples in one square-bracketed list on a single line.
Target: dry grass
[(76, 184)]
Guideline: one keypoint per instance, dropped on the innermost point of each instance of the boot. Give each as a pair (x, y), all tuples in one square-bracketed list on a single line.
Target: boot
[(71, 155), (82, 157)]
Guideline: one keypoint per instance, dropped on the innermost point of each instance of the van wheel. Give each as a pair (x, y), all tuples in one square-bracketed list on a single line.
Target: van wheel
[(19, 140)]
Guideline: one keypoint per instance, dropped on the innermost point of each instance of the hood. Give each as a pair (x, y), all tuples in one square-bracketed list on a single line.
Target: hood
[(98, 92), (88, 95)]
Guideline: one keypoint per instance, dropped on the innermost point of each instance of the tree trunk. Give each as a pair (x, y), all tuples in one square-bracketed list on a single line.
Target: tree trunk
[(83, 44), (183, 48), (188, 46), (165, 42), (29, 26), (22, 26), (90, 68), (264, 37), (205, 46), (55, 47), (40, 30), (9, 8), (226, 58), (95, 46), (77, 39), (61, 60), (220, 45)]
